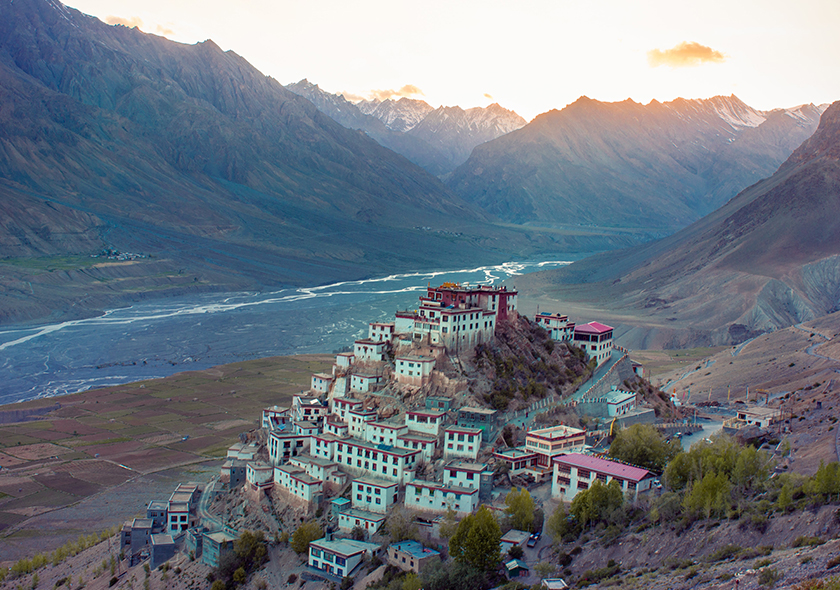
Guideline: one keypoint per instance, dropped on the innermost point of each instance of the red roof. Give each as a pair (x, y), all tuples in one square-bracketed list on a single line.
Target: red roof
[(593, 328), (611, 468)]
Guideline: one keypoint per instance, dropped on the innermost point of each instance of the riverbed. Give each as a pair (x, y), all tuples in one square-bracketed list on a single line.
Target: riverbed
[(159, 338)]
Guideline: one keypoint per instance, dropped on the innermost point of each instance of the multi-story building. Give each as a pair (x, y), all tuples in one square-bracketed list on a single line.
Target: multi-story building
[(557, 325), (575, 472), (435, 402), (215, 546), (357, 420), (548, 443), (321, 383), (499, 300), (351, 518), (339, 558), (343, 361), (335, 426), (381, 331), (373, 495), (339, 406), (414, 370), (372, 351), (298, 484), (282, 446), (595, 339), (438, 497), (276, 418), (468, 475), (364, 383), (365, 459), (459, 441), (259, 477), (455, 328), (307, 409), (427, 421), (482, 418), (518, 460), (385, 433), (156, 512), (425, 443)]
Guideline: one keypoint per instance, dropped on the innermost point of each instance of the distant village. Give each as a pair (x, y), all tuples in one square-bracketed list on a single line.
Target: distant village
[(333, 451)]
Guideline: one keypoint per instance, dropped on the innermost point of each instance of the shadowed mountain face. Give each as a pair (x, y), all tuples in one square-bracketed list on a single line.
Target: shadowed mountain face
[(113, 137), (768, 258), (661, 165)]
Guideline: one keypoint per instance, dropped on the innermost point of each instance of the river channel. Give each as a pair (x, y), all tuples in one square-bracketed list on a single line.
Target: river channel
[(156, 339)]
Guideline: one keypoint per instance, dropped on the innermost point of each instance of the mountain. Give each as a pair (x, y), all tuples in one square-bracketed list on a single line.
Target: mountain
[(113, 138), (455, 131), (397, 115), (767, 259), (438, 140), (660, 165), (351, 116)]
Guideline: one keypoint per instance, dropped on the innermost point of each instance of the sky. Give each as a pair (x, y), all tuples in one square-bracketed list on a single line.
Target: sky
[(530, 56)]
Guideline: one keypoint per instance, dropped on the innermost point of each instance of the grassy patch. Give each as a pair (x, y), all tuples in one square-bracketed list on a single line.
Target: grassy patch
[(51, 263)]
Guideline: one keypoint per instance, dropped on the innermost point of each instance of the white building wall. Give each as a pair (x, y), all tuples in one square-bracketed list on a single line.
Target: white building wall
[(364, 462), (452, 476), (435, 498), (348, 521), (566, 485), (382, 434), (366, 495), (416, 422), (457, 444)]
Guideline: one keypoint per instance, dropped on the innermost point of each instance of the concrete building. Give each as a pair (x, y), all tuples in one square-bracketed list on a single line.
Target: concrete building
[(461, 442), (499, 300), (434, 402), (135, 535), (343, 361), (410, 556), (414, 370), (426, 421), (595, 339), (485, 419), (436, 497), (336, 427), (575, 472), (243, 451), (233, 472), (215, 545), (306, 428), (557, 325), (373, 495), (162, 550), (550, 442), (281, 447), (259, 477), (339, 558), (513, 538)]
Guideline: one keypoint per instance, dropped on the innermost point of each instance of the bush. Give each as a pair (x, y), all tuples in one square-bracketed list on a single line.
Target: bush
[(113, 581), (768, 577), (292, 579), (724, 553), (806, 542)]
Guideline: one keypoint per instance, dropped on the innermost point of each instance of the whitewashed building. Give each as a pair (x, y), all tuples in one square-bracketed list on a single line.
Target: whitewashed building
[(351, 518), (298, 484), (425, 443), (321, 383), (381, 331), (276, 418), (595, 339), (259, 476), (307, 409), (576, 472), (414, 370), (385, 433), (557, 325), (428, 421), (364, 459), (364, 383), (335, 426), (357, 420), (467, 475), (373, 495), (461, 442), (341, 557), (370, 351), (340, 406), (436, 497), (343, 361), (282, 446), (550, 442)]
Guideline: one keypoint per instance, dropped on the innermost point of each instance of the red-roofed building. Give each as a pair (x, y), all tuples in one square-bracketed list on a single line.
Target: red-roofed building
[(596, 340), (557, 325), (575, 472)]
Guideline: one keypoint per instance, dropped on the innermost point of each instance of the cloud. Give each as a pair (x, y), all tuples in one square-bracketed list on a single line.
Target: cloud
[(352, 97), (133, 21), (407, 90), (490, 96), (165, 31), (686, 54)]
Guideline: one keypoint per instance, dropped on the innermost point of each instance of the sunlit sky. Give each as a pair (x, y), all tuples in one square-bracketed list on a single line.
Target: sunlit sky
[(530, 55)]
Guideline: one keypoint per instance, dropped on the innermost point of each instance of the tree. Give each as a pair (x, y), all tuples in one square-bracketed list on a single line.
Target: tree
[(305, 534), (544, 569), (449, 524), (401, 525), (709, 495), (520, 509), (239, 576), (476, 541), (598, 503), (643, 445), (218, 585), (358, 533)]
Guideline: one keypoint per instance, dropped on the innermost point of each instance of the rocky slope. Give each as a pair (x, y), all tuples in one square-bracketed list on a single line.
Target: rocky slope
[(767, 259), (659, 165)]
